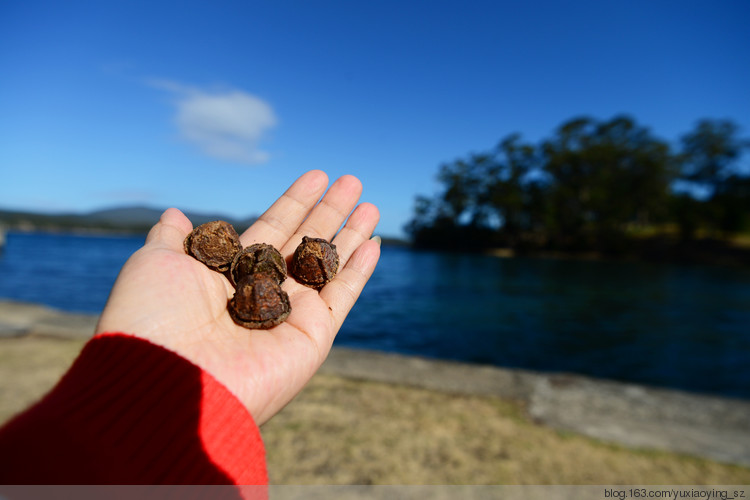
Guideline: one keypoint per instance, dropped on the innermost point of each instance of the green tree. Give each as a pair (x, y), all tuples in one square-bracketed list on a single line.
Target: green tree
[(709, 157), (506, 193), (731, 202), (586, 188), (606, 177), (710, 152), (483, 201)]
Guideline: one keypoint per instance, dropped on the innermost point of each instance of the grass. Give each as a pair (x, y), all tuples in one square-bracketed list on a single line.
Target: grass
[(343, 431), (29, 367)]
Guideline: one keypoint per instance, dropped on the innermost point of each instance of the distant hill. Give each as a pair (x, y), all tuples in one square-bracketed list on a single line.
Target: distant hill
[(131, 219), (127, 215)]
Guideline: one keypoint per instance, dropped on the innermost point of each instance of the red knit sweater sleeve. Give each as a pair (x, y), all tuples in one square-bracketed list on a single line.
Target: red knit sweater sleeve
[(131, 412)]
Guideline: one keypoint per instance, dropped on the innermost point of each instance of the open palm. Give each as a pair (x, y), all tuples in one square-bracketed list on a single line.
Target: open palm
[(172, 300)]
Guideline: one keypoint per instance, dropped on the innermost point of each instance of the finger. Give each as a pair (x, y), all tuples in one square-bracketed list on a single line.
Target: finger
[(281, 220), (328, 215), (341, 293), (358, 229), (171, 230)]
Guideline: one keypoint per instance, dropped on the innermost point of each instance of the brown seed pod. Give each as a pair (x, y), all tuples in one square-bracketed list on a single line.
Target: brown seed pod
[(214, 243), (258, 258), (259, 302), (315, 262)]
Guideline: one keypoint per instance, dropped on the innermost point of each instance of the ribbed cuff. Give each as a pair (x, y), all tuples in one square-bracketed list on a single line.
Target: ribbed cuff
[(131, 412)]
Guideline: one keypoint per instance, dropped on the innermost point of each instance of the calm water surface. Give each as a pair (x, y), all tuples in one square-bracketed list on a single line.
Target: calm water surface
[(70, 272), (676, 326)]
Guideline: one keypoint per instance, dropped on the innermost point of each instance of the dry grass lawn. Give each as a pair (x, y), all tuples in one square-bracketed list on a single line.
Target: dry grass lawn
[(342, 431), (29, 367)]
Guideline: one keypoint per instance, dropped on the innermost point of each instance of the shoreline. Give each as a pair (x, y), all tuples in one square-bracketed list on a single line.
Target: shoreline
[(731, 252), (632, 415)]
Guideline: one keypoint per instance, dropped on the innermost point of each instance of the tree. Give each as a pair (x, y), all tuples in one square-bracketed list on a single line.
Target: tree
[(731, 203), (710, 151), (709, 159), (483, 199), (586, 188), (606, 176), (507, 177)]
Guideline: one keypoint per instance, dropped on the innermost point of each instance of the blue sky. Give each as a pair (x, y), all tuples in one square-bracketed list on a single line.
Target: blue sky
[(218, 106)]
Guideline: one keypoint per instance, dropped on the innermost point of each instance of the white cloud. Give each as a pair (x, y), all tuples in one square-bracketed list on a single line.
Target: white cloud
[(228, 125)]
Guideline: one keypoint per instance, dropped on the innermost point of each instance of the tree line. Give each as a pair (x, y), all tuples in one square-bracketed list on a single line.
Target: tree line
[(595, 185)]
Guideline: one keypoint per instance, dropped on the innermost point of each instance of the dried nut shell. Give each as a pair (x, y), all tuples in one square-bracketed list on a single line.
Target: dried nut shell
[(315, 262), (214, 243), (258, 258), (259, 302)]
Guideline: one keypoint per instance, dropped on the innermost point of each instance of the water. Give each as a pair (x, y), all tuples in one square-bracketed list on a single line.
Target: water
[(674, 326), (677, 326), (70, 272)]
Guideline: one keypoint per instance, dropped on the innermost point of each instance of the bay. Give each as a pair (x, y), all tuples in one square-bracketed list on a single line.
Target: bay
[(70, 272), (685, 327)]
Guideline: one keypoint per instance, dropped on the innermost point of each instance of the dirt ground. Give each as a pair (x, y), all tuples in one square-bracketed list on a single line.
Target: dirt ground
[(344, 431)]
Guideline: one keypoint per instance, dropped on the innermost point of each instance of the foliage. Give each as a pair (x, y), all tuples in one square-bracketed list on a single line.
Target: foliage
[(593, 185)]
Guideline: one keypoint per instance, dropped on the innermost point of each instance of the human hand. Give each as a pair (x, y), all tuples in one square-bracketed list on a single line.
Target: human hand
[(171, 299)]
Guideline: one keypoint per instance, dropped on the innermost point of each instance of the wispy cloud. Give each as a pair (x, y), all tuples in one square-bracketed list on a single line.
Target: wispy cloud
[(228, 124)]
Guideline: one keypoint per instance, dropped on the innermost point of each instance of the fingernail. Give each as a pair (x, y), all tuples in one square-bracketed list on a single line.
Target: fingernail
[(376, 239)]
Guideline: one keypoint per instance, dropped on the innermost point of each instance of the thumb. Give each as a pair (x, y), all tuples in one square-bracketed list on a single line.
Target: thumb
[(171, 230)]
